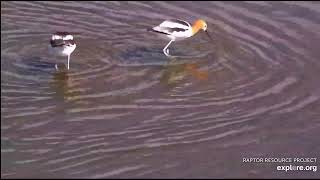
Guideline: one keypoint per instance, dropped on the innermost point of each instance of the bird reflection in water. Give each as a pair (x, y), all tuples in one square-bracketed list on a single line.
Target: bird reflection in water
[(175, 73), (65, 95), (60, 83)]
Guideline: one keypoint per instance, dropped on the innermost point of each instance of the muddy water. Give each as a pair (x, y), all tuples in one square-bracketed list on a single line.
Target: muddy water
[(126, 110)]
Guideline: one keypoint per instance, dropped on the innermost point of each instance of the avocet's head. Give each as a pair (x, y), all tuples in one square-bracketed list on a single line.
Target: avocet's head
[(201, 24)]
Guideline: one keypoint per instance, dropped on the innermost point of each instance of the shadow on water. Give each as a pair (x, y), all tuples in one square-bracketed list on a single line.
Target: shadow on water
[(36, 65), (154, 56)]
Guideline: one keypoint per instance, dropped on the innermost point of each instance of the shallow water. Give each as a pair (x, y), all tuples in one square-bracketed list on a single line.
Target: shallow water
[(125, 110)]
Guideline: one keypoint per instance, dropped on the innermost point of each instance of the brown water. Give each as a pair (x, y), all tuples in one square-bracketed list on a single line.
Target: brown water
[(124, 110)]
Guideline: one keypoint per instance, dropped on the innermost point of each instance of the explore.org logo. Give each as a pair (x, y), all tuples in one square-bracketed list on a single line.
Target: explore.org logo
[(300, 164), (297, 168)]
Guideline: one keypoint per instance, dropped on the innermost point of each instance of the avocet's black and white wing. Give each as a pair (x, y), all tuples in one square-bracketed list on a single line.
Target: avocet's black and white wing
[(61, 42), (175, 28), (60, 39)]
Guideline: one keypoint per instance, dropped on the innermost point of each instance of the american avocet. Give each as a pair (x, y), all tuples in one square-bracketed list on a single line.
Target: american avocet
[(177, 30), (62, 44)]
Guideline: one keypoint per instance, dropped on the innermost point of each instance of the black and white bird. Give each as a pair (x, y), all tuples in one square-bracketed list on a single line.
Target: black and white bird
[(62, 44), (176, 30)]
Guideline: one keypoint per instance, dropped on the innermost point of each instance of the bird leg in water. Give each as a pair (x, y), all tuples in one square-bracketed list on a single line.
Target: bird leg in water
[(166, 50), (68, 61)]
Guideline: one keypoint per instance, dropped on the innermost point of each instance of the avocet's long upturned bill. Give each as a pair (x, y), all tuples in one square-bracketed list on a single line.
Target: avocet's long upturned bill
[(62, 44), (176, 30)]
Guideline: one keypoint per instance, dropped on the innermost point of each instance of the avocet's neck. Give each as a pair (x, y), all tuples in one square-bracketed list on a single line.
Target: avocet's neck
[(197, 26)]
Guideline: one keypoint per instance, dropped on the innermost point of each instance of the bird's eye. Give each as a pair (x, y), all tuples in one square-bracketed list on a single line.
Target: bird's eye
[(205, 27)]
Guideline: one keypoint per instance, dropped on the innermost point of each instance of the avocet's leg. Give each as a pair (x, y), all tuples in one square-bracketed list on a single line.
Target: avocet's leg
[(68, 61), (166, 50)]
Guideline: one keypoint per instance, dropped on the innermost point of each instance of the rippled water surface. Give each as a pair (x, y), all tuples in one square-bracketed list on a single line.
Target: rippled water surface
[(126, 110)]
